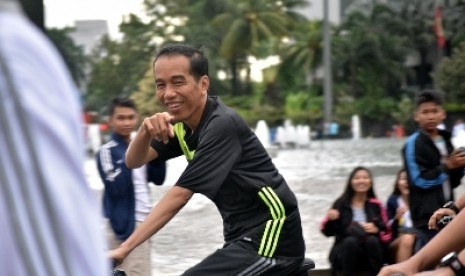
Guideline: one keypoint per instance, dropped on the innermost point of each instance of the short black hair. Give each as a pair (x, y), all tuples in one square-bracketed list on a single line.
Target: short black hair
[(198, 61), (429, 96), (120, 102)]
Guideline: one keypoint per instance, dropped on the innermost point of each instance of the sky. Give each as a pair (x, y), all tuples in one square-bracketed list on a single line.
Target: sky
[(61, 13)]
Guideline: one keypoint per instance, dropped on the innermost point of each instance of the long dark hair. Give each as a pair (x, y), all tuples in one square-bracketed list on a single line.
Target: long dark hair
[(396, 190), (349, 192)]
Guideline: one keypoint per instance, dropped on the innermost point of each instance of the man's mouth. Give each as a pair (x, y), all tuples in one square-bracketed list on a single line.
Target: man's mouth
[(174, 106)]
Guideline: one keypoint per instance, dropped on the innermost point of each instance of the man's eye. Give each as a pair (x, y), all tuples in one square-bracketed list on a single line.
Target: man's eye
[(160, 87)]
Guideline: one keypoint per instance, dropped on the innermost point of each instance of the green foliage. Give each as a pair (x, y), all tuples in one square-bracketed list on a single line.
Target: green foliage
[(404, 111), (145, 95), (368, 57), (72, 54), (304, 52), (450, 75), (369, 49), (303, 107), (117, 67)]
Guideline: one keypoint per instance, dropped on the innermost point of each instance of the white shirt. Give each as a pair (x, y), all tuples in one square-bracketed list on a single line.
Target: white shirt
[(141, 193), (49, 219)]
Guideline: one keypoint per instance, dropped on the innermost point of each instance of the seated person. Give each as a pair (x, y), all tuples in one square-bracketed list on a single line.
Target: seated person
[(358, 221), (400, 222)]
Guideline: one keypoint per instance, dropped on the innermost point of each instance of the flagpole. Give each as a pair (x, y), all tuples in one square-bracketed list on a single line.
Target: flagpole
[(328, 98)]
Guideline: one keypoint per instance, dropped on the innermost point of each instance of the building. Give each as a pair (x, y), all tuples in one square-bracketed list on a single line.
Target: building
[(88, 33)]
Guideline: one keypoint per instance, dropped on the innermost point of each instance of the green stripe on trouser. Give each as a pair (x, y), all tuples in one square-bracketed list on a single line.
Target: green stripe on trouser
[(274, 226)]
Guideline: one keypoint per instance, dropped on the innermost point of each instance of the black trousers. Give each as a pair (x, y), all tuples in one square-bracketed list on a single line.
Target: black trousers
[(355, 255), (237, 259)]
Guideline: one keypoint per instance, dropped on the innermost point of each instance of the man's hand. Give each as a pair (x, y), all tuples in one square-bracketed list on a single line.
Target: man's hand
[(159, 126), (441, 212), (443, 271), (456, 160), (118, 255), (401, 269)]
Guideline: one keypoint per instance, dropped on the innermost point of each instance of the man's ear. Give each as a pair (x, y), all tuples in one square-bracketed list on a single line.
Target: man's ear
[(204, 84)]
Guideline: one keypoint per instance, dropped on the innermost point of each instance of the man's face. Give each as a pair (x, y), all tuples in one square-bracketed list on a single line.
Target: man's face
[(181, 94), (429, 115), (123, 121)]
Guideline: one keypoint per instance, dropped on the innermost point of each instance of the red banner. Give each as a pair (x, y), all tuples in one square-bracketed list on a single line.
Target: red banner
[(438, 30)]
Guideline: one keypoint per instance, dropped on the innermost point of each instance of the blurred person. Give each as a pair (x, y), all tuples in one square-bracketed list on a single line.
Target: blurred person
[(358, 221), (48, 215), (403, 234), (126, 196), (226, 163), (438, 251), (459, 127), (433, 168)]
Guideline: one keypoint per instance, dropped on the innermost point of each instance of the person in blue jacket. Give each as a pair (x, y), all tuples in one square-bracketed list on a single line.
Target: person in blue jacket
[(126, 197), (433, 167)]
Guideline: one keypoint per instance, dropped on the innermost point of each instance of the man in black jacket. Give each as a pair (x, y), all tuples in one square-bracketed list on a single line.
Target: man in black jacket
[(433, 167)]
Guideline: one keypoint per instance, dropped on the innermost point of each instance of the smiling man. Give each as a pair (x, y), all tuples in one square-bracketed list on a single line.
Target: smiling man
[(227, 164)]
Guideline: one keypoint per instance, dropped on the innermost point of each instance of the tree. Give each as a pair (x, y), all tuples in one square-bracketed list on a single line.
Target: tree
[(368, 62), (117, 67), (304, 52), (450, 75), (247, 23), (145, 95), (72, 54), (417, 17)]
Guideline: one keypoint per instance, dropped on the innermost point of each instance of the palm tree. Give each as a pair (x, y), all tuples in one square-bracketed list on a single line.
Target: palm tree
[(368, 61), (246, 23), (305, 49), (418, 20)]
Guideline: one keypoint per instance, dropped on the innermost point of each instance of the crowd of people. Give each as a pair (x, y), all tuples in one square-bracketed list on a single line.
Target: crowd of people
[(369, 234)]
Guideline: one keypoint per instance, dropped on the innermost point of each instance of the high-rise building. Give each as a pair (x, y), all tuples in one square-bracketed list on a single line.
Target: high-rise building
[(88, 33)]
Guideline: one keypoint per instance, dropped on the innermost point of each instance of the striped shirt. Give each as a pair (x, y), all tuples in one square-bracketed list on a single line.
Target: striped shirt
[(49, 218)]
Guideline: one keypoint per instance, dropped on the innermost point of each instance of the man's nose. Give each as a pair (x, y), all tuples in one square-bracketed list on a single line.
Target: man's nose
[(170, 91)]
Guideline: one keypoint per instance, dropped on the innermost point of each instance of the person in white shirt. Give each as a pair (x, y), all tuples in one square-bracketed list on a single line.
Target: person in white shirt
[(48, 215)]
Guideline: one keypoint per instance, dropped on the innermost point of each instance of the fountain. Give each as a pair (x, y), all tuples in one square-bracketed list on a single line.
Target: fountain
[(290, 136), (263, 134), (356, 131)]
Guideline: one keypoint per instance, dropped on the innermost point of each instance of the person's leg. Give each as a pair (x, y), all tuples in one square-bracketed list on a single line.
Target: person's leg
[(374, 253), (350, 250), (405, 246), (237, 259)]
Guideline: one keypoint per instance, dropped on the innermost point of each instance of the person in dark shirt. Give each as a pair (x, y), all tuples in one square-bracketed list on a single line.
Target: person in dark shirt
[(226, 163), (358, 221), (433, 168)]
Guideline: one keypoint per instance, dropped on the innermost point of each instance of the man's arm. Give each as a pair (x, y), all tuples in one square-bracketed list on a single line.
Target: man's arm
[(444, 271), (139, 151), (161, 214), (449, 239), (156, 127)]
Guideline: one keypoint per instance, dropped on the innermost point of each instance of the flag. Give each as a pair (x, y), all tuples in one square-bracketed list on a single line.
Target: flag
[(438, 30)]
